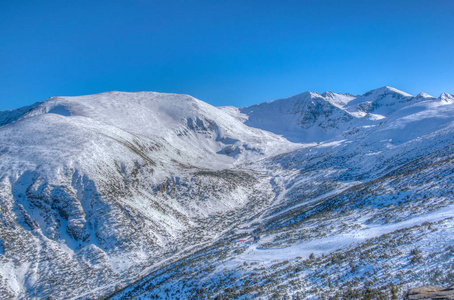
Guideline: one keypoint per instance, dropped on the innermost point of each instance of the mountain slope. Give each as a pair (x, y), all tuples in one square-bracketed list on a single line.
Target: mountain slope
[(107, 184), (9, 116), (148, 195), (366, 213), (339, 237), (305, 117)]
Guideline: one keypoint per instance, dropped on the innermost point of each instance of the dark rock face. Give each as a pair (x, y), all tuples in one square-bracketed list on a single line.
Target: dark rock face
[(430, 292)]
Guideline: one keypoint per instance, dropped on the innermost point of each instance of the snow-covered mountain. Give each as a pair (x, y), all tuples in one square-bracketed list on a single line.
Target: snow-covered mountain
[(152, 192), (105, 183), (313, 117)]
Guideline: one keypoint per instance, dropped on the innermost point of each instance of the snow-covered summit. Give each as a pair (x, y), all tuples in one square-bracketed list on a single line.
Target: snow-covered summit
[(383, 101), (338, 99), (423, 95), (383, 91), (313, 117), (171, 120), (305, 117), (448, 98)]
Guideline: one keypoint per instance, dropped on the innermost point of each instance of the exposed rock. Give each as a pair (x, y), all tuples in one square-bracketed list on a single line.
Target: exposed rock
[(430, 292)]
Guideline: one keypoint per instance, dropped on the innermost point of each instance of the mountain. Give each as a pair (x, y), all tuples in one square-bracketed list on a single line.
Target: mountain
[(313, 117), (102, 185), (145, 195)]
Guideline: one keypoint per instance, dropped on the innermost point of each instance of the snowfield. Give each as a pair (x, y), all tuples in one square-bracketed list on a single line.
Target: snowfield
[(150, 195)]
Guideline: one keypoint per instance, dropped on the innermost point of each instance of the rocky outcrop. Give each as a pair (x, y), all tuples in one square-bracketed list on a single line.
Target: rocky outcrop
[(430, 292)]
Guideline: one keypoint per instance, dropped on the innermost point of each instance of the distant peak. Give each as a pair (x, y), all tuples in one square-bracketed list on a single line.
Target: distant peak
[(315, 94), (386, 90), (338, 99), (328, 93), (423, 96), (310, 94), (306, 95), (447, 97)]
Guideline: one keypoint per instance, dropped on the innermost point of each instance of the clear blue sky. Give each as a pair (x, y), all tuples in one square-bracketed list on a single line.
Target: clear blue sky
[(223, 52)]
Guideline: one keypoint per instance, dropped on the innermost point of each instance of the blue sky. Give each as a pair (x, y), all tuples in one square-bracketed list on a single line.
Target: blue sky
[(223, 52)]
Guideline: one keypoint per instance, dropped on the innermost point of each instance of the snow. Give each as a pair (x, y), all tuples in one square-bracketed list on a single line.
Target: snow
[(384, 91), (10, 116), (424, 95), (15, 273), (447, 98), (86, 129), (256, 253)]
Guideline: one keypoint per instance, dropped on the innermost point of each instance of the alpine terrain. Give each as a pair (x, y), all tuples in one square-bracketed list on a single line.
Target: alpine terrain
[(162, 196)]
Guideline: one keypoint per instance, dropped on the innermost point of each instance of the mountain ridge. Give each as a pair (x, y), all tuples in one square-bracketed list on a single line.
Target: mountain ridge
[(296, 117)]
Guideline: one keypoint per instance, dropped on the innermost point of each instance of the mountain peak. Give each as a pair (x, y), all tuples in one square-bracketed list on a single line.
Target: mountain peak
[(447, 97), (386, 90), (424, 96), (337, 99), (309, 94), (332, 94)]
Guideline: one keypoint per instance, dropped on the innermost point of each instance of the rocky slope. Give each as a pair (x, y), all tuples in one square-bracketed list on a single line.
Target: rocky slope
[(430, 292)]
